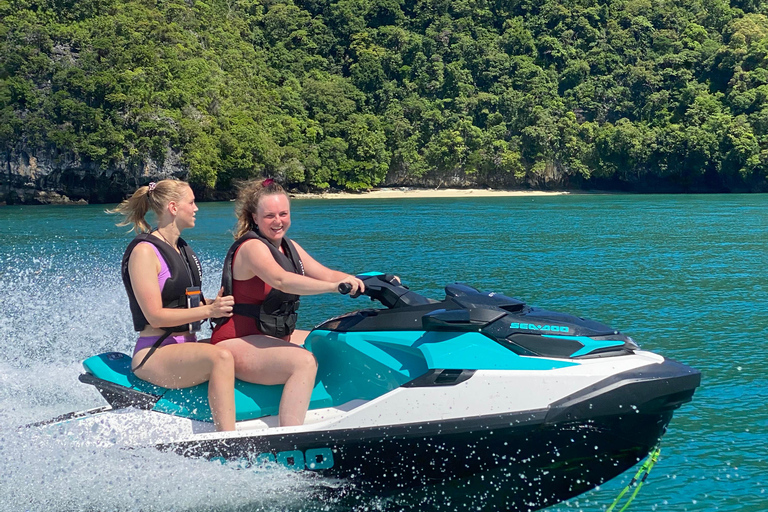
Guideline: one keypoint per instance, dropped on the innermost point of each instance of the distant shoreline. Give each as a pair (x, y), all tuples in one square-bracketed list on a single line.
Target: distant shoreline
[(377, 193), (421, 193)]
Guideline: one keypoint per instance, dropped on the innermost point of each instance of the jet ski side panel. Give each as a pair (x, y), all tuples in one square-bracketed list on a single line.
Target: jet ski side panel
[(367, 365), (251, 401)]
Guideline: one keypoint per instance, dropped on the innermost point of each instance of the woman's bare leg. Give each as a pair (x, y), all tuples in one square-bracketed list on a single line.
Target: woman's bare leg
[(188, 364), (266, 360)]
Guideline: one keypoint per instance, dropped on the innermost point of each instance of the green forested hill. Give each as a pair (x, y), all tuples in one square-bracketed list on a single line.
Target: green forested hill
[(633, 94)]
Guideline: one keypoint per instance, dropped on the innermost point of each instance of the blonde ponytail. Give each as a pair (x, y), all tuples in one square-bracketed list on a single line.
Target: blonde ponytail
[(155, 197)]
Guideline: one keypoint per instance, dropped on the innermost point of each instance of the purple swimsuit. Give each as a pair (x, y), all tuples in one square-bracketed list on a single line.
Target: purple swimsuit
[(147, 341)]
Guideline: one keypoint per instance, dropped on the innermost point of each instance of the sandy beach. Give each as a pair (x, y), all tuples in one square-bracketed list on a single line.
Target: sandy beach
[(420, 193)]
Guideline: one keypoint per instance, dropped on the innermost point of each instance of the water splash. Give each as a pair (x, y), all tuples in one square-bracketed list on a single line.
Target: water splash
[(60, 307), (43, 472)]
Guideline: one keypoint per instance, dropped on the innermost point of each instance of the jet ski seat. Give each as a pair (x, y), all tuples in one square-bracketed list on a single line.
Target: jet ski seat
[(111, 374)]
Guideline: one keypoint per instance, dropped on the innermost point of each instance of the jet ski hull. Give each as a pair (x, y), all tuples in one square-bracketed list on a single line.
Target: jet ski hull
[(524, 464), (522, 460)]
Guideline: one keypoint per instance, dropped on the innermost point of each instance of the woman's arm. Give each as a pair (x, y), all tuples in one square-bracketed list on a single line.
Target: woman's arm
[(144, 267), (255, 259)]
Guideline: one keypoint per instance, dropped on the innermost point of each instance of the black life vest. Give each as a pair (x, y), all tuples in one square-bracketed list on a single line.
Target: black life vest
[(276, 316), (185, 271)]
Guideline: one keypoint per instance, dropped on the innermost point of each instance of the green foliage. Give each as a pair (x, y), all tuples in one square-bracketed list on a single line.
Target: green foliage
[(352, 93)]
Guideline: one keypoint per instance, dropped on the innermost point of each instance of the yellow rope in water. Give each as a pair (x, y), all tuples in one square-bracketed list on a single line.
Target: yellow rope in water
[(644, 470)]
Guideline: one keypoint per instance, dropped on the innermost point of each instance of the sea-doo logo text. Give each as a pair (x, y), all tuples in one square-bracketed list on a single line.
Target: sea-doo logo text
[(534, 327), (314, 459)]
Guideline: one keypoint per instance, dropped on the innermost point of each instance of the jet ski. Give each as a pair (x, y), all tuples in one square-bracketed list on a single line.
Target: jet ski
[(474, 396)]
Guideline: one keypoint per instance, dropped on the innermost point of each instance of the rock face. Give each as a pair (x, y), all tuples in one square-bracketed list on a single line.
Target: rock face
[(40, 177), (45, 178)]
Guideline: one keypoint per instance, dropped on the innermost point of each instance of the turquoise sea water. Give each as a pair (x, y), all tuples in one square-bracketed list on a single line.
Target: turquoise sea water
[(685, 276)]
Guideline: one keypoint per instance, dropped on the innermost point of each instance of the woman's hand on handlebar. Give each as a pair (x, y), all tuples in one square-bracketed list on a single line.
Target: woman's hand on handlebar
[(351, 285), (222, 305)]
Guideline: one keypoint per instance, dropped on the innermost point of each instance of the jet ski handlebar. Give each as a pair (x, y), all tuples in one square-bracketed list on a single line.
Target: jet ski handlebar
[(387, 289)]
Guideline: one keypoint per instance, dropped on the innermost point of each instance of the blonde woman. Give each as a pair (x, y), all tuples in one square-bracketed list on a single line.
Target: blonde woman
[(162, 277)]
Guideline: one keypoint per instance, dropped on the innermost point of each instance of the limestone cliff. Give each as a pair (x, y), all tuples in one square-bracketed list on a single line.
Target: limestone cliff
[(44, 178)]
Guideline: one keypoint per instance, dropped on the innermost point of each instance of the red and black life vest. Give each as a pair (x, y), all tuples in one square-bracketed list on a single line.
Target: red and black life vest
[(276, 315)]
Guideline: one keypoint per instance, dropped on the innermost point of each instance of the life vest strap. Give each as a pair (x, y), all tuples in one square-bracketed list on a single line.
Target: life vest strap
[(154, 347)]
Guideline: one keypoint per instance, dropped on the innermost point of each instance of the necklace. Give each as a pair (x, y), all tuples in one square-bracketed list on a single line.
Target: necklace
[(165, 239)]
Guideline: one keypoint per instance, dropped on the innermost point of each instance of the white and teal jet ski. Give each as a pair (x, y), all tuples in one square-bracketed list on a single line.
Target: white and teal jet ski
[(475, 394)]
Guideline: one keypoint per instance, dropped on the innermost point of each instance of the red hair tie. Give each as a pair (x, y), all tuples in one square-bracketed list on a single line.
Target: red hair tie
[(267, 182)]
